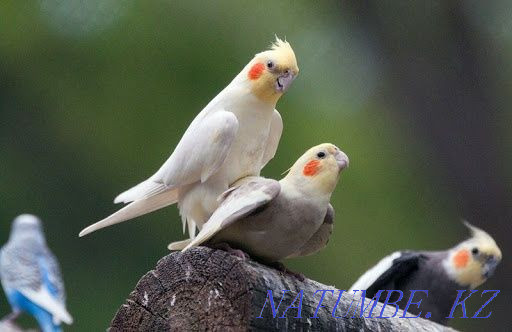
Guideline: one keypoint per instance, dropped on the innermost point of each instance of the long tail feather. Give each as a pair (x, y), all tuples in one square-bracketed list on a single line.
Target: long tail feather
[(179, 245), (134, 210), (142, 190)]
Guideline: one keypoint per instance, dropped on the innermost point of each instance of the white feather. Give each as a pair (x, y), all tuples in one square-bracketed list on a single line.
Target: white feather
[(46, 301), (142, 190), (201, 151), (134, 209), (370, 276), (276, 129), (198, 155), (246, 157), (179, 245)]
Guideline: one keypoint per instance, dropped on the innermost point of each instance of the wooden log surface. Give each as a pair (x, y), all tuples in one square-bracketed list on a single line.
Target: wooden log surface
[(207, 289)]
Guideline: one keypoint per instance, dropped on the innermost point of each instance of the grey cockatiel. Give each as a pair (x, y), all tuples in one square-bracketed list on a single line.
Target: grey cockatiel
[(234, 136), (442, 273), (31, 276), (272, 220)]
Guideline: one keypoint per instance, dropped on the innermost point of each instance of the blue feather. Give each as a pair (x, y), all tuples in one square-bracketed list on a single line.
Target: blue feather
[(48, 280), (43, 317)]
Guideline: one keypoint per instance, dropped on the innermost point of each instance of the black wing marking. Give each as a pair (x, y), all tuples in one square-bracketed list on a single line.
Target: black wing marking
[(401, 269)]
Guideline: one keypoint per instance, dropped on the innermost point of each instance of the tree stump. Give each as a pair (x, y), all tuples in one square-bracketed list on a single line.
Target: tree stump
[(207, 289)]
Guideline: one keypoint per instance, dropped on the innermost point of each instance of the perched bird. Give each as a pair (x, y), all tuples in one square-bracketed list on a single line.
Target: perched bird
[(234, 136), (272, 220), (31, 277), (442, 273)]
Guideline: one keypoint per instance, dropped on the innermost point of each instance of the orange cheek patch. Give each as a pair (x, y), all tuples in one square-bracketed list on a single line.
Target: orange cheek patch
[(461, 258), (311, 168), (256, 71)]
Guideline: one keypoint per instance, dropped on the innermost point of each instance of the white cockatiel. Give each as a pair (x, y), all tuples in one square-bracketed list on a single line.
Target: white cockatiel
[(234, 136), (272, 220)]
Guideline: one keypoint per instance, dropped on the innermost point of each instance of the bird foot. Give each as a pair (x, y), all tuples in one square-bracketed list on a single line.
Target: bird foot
[(284, 270), (235, 252)]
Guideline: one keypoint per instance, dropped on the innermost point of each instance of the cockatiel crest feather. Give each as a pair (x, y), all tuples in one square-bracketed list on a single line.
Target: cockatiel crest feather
[(472, 261), (272, 71), (478, 233)]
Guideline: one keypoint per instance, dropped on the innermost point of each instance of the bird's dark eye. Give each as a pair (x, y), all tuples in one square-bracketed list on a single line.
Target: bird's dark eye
[(474, 251), (320, 154), (270, 64)]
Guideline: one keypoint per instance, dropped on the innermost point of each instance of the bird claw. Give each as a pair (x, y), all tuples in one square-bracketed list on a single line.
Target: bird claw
[(284, 270), (239, 253), (235, 252)]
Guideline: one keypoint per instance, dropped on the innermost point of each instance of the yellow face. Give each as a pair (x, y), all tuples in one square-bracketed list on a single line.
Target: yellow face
[(319, 168), (272, 72), (474, 261)]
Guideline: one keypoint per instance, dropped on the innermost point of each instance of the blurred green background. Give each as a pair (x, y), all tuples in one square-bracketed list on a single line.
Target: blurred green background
[(94, 96)]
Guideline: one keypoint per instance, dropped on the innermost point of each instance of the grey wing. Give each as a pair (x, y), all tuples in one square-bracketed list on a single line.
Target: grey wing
[(276, 129), (54, 274), (199, 154), (320, 238), (248, 195), (19, 268)]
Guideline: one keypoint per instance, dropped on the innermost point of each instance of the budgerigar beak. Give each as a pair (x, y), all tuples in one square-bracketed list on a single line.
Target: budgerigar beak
[(342, 160), (284, 81), (489, 267)]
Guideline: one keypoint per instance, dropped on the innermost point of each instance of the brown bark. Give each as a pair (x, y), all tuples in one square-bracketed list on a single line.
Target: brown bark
[(206, 289)]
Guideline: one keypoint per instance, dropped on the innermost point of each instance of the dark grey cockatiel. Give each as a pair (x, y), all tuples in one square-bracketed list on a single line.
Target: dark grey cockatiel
[(442, 273), (272, 220)]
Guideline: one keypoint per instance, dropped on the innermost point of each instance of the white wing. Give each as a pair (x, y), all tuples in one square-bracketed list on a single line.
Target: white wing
[(199, 154), (250, 194), (45, 300), (276, 129), (371, 276)]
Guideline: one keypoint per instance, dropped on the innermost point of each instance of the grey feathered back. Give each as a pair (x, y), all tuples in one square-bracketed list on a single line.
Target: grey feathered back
[(25, 257)]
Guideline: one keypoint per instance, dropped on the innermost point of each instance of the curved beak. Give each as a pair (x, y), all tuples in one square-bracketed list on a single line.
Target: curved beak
[(490, 266), (284, 81), (342, 160)]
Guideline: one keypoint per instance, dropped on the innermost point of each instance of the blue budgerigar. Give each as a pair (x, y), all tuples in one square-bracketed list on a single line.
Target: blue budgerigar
[(31, 277)]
